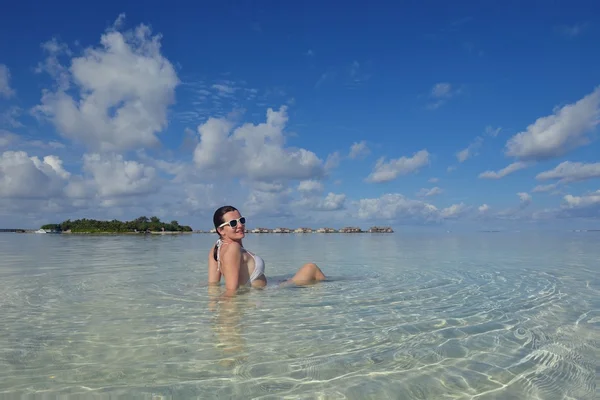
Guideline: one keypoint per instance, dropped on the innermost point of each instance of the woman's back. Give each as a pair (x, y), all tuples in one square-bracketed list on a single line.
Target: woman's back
[(248, 264)]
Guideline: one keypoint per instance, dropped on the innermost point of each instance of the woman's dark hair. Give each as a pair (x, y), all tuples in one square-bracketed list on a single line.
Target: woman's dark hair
[(218, 220)]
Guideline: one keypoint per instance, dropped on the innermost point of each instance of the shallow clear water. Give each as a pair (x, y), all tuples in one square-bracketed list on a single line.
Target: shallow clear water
[(427, 316)]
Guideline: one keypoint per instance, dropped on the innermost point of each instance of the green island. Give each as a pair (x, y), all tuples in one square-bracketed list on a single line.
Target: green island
[(138, 225)]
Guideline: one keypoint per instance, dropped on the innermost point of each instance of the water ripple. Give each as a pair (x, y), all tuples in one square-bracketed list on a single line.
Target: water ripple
[(400, 317)]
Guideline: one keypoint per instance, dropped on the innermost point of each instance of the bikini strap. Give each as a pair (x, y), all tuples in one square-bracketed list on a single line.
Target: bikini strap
[(218, 245)]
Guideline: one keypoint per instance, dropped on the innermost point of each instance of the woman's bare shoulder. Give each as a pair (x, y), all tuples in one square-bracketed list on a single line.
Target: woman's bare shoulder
[(225, 248), (231, 247)]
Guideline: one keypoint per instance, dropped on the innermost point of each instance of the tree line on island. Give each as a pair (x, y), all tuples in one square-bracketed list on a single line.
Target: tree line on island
[(141, 224)]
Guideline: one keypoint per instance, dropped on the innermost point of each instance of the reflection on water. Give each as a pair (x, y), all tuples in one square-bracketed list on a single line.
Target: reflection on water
[(412, 317)]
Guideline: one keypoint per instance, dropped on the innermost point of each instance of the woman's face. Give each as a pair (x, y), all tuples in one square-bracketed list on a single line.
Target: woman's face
[(236, 233)]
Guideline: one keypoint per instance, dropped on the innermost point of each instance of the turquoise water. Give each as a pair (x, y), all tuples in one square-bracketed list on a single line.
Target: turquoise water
[(427, 316)]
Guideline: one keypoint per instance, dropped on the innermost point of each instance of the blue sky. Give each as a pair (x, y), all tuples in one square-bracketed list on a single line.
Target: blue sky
[(479, 116)]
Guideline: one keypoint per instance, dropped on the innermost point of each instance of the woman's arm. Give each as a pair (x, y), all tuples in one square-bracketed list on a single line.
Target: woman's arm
[(231, 261)]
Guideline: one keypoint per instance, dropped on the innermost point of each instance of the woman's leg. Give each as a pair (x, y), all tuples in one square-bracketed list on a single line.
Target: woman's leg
[(309, 273)]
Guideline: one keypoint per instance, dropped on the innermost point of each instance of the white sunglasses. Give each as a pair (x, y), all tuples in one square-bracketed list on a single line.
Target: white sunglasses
[(233, 223)]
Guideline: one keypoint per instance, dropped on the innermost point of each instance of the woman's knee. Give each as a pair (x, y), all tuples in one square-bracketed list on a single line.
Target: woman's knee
[(309, 272), (314, 271)]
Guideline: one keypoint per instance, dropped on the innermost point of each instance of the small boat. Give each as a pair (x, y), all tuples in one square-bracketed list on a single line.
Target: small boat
[(41, 231)]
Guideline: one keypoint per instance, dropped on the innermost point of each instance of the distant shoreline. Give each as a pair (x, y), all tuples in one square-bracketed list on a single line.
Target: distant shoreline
[(19, 230), (187, 233), (81, 230), (96, 233), (124, 233)]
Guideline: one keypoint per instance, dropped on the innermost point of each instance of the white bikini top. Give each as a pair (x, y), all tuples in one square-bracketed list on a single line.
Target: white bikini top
[(259, 263)]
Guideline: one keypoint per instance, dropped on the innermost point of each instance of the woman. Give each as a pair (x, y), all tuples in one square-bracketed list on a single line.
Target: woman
[(239, 266)]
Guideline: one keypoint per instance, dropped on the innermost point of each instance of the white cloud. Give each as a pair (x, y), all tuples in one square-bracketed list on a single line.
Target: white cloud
[(199, 197), (125, 87), (211, 152), (332, 162), (516, 166), (14, 141), (27, 177), (584, 206), (544, 188), (268, 204), (56, 164), (114, 97), (585, 201), (571, 172), (442, 89), (10, 117), (274, 187), (52, 144), (326, 76), (7, 138), (424, 192), (391, 206), (525, 199), (5, 89), (52, 65), (387, 171), (515, 212), (223, 98), (224, 90), (470, 151), (331, 202), (109, 178), (351, 75), (556, 134), (454, 211), (358, 150), (310, 186), (255, 152), (396, 206), (491, 131), (113, 176), (440, 93), (110, 187)]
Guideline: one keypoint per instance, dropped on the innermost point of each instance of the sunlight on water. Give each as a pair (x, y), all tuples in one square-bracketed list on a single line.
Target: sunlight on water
[(485, 316)]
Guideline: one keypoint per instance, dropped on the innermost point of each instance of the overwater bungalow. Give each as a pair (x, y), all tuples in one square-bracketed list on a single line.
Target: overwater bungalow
[(351, 229), (261, 230), (326, 230), (381, 229)]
